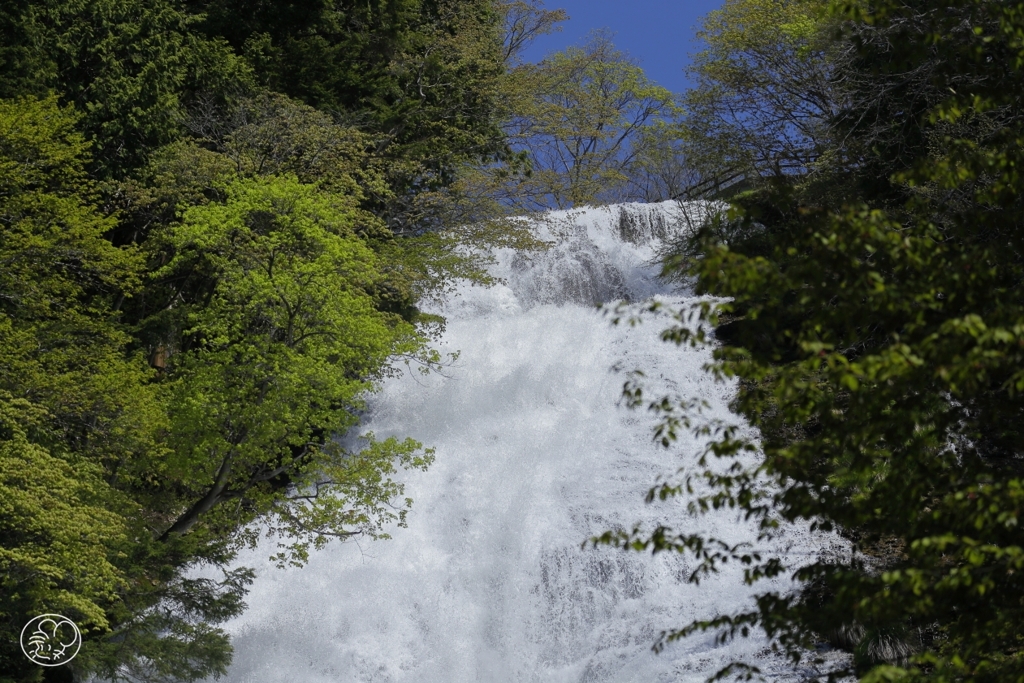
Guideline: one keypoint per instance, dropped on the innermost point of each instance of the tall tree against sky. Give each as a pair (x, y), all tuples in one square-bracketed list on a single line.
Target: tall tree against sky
[(764, 92), (584, 118)]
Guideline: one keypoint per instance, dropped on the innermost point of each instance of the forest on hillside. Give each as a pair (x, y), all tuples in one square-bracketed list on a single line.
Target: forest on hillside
[(220, 219)]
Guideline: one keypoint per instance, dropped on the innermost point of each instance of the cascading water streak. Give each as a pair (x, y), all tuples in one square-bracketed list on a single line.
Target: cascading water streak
[(534, 454)]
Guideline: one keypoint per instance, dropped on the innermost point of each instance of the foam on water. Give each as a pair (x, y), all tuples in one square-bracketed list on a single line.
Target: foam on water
[(489, 582)]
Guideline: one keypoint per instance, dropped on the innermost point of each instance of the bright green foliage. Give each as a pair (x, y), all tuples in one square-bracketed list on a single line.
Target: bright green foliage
[(53, 246), (282, 336), (57, 533), (76, 406), (63, 349), (879, 341), (200, 281), (272, 134), (277, 357), (264, 135)]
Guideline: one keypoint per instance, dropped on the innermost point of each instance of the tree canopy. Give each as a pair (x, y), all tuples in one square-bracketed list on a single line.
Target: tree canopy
[(216, 222), (869, 305)]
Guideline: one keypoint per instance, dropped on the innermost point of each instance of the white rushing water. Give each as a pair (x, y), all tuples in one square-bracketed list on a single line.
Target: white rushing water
[(534, 454)]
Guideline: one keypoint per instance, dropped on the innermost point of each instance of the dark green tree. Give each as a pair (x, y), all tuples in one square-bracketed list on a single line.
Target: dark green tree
[(419, 75), (877, 333), (130, 67)]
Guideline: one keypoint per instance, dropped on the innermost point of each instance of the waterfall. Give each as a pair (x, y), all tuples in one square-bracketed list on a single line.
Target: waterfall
[(534, 454)]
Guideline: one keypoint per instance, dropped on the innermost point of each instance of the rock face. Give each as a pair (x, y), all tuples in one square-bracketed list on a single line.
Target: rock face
[(644, 223), (598, 254)]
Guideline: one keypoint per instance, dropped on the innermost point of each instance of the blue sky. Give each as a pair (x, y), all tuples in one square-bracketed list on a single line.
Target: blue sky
[(657, 32)]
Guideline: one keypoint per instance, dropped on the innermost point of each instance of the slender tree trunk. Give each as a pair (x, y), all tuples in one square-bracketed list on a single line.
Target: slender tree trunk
[(204, 504)]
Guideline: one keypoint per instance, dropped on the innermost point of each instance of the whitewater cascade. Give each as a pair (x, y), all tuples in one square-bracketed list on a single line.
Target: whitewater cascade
[(534, 454)]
